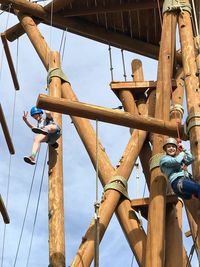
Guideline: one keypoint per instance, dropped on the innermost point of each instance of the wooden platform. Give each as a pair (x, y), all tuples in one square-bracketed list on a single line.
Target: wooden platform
[(142, 204), (4, 211)]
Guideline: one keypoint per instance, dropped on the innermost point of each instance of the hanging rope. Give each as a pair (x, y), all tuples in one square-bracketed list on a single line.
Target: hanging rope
[(159, 12), (37, 207), (111, 65), (63, 44), (10, 158), (124, 67), (96, 206), (192, 251), (138, 190), (26, 211)]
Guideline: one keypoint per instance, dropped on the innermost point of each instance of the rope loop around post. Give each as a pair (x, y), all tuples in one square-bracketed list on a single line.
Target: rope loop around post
[(155, 161), (118, 183), (177, 107), (190, 124), (56, 72), (176, 5)]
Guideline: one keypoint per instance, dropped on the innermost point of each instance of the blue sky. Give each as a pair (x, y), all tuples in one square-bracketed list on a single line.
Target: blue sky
[(86, 63)]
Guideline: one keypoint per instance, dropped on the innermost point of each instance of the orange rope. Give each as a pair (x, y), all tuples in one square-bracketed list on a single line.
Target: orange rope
[(159, 12)]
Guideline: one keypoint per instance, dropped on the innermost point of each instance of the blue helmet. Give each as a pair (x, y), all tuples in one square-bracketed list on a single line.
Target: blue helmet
[(35, 110)]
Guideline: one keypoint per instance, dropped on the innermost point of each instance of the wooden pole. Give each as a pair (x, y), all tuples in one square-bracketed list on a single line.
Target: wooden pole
[(174, 212), (155, 253), (6, 132), (9, 60), (193, 95), (109, 115), (56, 198)]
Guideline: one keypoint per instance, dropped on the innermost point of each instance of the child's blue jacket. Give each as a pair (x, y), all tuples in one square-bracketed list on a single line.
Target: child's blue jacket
[(172, 166)]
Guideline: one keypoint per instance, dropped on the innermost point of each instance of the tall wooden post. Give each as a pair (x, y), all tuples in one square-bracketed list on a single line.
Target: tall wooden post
[(155, 253), (193, 96), (56, 199), (174, 212)]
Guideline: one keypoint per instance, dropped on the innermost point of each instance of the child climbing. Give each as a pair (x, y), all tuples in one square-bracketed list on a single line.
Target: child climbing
[(174, 166), (47, 131)]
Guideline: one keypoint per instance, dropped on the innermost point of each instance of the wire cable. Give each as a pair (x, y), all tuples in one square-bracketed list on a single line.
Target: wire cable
[(37, 207), (26, 211), (97, 205)]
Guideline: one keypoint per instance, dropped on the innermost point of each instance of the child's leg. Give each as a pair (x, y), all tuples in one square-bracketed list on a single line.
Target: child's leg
[(36, 144), (51, 128), (191, 187)]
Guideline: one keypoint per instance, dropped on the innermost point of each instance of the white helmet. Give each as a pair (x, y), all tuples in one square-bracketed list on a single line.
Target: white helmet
[(170, 141)]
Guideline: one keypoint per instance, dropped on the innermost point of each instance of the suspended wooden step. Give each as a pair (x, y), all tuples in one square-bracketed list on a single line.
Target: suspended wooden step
[(10, 62), (136, 87), (142, 204), (4, 211), (6, 132)]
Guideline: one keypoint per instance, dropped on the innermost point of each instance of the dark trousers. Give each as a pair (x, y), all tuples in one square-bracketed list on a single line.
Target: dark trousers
[(185, 187)]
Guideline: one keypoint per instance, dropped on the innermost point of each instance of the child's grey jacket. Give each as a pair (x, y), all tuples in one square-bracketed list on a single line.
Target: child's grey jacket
[(172, 166)]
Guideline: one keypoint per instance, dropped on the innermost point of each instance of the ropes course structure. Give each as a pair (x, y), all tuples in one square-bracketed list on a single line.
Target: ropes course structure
[(152, 110)]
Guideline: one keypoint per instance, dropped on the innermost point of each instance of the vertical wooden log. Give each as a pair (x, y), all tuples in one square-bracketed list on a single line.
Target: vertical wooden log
[(192, 85), (155, 253), (174, 235), (193, 96), (56, 198), (174, 214)]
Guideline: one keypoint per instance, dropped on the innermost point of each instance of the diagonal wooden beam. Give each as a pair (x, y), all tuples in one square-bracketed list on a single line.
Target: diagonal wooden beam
[(10, 62), (6, 132), (109, 115), (4, 212)]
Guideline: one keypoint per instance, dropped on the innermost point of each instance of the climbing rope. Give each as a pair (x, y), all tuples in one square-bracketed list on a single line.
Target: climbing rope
[(159, 12), (97, 205), (192, 251), (26, 210), (63, 44), (111, 65), (138, 190), (37, 207), (10, 158), (124, 67)]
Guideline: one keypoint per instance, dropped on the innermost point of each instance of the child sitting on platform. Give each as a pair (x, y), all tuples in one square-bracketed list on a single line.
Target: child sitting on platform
[(47, 131), (174, 166)]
